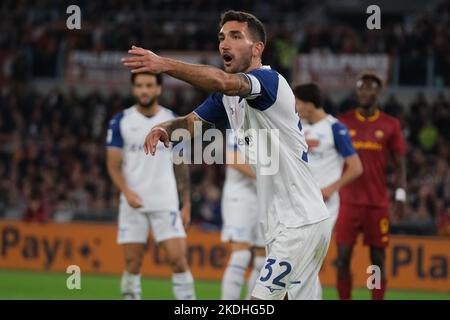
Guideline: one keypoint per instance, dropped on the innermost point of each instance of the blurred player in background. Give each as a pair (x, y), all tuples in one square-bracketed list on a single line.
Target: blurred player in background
[(329, 147), (365, 202), (250, 95), (148, 186), (241, 226)]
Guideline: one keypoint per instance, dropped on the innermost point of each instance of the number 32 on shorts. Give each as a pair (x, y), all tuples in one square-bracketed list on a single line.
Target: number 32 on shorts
[(279, 269)]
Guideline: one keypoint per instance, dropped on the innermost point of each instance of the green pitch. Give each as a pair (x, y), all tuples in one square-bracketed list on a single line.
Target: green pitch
[(46, 285)]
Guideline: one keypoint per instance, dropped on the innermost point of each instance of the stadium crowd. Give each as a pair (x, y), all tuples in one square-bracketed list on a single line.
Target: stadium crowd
[(37, 37), (52, 160)]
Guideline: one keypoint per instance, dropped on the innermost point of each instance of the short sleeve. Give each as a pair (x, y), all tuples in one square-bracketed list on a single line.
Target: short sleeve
[(396, 143), (114, 136), (263, 88), (212, 110), (342, 140)]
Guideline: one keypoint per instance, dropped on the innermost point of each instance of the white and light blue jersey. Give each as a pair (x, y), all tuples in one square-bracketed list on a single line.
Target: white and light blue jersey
[(288, 197), (329, 143), (153, 178)]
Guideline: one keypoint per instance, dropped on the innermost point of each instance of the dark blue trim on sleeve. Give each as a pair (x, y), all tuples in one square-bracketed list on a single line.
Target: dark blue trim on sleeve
[(212, 110), (268, 80), (342, 140), (305, 156), (114, 136)]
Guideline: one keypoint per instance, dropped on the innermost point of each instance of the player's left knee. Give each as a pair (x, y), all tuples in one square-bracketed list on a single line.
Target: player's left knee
[(178, 263)]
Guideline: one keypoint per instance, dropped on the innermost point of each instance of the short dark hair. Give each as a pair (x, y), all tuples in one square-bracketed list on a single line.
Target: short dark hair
[(158, 76), (371, 75), (254, 24), (309, 92)]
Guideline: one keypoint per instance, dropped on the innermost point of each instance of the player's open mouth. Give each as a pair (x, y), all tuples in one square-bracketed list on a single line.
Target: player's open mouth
[(227, 58)]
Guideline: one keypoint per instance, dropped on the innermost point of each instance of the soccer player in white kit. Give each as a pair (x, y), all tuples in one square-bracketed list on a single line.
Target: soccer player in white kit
[(241, 225), (252, 96), (329, 147), (150, 189)]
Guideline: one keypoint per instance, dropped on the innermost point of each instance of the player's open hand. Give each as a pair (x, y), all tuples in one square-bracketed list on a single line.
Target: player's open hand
[(133, 199), (155, 135), (327, 192), (143, 60)]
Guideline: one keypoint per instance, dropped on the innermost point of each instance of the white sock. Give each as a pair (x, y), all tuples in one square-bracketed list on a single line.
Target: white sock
[(234, 276), (183, 286), (258, 263), (130, 286)]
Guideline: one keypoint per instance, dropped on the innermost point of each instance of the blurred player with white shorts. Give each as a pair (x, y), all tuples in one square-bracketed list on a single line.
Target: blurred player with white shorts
[(241, 226), (150, 189)]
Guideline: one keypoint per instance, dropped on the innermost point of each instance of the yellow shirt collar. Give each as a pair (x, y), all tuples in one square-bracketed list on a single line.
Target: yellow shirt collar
[(372, 118)]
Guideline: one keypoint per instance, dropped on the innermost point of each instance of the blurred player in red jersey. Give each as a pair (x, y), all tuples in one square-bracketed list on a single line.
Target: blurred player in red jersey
[(365, 202)]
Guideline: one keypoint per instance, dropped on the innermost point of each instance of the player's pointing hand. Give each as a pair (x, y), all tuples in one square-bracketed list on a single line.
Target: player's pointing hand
[(154, 136), (143, 60)]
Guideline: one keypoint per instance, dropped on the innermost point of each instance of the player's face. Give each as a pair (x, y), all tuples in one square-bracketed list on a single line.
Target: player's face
[(367, 92), (236, 46), (303, 109), (146, 90)]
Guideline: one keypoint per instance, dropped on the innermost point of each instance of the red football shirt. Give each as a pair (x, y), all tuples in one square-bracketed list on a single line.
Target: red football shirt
[(374, 139)]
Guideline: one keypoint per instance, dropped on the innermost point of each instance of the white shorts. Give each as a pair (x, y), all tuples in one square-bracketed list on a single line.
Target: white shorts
[(134, 225), (294, 259), (241, 220)]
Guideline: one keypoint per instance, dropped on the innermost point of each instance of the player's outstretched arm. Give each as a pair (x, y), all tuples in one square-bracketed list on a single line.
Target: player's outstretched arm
[(163, 131), (205, 77)]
